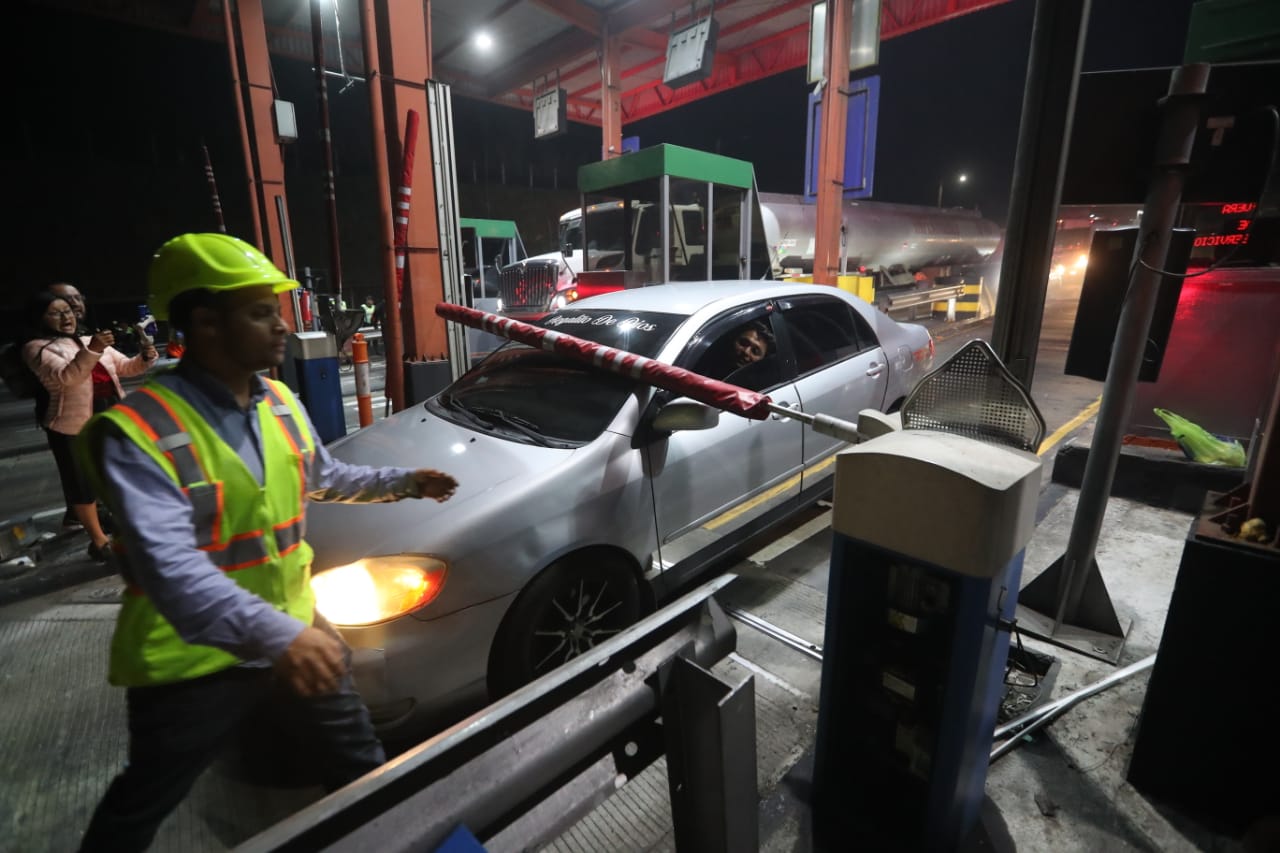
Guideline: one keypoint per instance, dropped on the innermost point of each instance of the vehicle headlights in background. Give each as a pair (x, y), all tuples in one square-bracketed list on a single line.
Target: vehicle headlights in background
[(377, 589)]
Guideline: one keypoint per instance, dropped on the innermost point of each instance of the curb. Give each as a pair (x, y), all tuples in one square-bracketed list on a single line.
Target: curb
[(22, 449), (951, 330)]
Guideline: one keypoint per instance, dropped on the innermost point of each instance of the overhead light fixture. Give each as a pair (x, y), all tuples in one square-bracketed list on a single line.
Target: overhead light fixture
[(483, 40), (691, 53)]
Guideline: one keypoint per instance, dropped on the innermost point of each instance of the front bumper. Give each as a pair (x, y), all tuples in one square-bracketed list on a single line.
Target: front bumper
[(409, 670)]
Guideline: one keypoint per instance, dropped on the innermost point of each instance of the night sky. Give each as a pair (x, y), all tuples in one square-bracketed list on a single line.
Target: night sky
[(103, 161)]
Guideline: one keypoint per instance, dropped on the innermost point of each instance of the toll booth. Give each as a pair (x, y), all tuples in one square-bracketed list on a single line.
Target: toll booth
[(669, 213), (929, 530), (314, 362), (488, 246)]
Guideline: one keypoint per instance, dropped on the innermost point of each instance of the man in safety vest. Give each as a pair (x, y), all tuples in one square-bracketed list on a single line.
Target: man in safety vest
[(208, 469)]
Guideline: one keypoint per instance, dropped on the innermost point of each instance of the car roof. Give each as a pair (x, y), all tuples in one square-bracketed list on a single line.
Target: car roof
[(690, 297)]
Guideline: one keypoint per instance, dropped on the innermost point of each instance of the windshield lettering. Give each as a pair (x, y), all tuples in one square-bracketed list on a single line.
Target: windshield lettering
[(625, 324)]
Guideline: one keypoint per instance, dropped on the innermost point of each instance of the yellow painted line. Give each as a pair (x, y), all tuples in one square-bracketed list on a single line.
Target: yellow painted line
[(767, 495), (1064, 430)]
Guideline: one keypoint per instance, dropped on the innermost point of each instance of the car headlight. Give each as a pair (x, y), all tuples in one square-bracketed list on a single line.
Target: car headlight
[(377, 589)]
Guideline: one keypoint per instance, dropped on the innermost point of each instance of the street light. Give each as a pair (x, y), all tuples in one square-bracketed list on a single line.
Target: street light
[(960, 179)]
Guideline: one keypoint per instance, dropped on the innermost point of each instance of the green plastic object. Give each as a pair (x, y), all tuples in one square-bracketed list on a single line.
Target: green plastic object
[(1200, 445)]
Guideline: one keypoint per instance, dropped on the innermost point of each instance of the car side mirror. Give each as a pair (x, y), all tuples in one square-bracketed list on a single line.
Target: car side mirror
[(683, 414)]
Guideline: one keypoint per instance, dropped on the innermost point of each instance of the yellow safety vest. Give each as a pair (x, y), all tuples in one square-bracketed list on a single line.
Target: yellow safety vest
[(252, 532)]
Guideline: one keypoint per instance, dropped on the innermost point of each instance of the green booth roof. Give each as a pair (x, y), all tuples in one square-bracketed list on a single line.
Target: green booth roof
[(503, 228), (662, 160)]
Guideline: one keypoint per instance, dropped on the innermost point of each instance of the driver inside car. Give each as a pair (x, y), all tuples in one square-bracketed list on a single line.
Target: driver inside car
[(752, 342), (745, 346)]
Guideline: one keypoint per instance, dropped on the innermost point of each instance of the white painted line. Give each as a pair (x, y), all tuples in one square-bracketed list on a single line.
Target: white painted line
[(795, 537), (767, 675)]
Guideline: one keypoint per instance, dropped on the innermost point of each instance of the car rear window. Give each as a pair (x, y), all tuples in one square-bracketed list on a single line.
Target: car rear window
[(640, 332)]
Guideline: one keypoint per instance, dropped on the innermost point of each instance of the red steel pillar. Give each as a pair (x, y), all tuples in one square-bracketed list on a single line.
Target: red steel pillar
[(404, 43), (610, 94), (835, 110), (265, 166)]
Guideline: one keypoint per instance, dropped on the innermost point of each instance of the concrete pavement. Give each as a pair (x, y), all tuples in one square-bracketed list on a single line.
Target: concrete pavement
[(1064, 790)]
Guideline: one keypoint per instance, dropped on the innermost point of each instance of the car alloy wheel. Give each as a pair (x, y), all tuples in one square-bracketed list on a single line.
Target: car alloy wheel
[(572, 607)]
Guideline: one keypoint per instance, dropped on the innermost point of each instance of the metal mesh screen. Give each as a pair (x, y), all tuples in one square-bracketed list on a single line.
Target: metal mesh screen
[(972, 394)]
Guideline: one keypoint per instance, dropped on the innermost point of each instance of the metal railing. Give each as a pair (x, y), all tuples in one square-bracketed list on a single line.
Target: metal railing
[(916, 298), (520, 772)]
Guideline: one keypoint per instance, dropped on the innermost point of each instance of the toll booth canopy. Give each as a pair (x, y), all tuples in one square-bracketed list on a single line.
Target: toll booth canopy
[(669, 213), (488, 245)]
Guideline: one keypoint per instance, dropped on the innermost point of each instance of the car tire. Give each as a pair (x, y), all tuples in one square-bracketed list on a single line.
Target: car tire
[(572, 606)]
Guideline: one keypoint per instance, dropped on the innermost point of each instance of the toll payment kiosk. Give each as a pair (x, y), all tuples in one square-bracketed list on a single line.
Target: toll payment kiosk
[(313, 359), (929, 531)]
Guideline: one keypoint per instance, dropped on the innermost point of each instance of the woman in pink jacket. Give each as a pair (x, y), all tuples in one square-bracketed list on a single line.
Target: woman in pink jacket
[(82, 376)]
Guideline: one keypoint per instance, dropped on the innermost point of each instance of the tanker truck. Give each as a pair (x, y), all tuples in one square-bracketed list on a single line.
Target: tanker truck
[(716, 226)]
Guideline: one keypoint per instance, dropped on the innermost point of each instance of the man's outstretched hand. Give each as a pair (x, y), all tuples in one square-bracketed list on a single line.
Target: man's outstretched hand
[(313, 664), (434, 484)]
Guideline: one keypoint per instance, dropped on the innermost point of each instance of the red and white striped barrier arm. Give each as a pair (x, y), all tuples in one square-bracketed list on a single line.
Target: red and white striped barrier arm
[(722, 395)]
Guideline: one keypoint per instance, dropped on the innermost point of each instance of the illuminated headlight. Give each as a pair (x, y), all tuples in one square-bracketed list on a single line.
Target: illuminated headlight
[(499, 306), (1082, 261), (377, 589), (559, 301), (1060, 270)]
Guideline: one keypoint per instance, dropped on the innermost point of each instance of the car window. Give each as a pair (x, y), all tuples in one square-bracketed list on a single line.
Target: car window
[(739, 348), (823, 331)]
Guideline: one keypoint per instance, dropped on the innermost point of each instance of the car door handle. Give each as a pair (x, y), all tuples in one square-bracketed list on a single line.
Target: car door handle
[(875, 369), (777, 417)]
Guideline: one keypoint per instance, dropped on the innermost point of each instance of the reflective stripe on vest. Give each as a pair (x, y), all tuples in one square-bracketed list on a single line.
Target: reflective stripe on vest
[(293, 431), (154, 416), (289, 534)]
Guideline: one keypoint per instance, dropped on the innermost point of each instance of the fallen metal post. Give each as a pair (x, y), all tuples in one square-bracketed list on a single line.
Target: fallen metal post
[(520, 772), (1015, 729)]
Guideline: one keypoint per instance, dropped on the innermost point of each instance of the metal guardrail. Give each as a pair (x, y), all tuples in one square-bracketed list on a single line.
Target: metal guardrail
[(520, 772), (913, 298)]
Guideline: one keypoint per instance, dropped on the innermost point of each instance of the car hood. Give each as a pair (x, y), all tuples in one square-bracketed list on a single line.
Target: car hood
[(415, 438)]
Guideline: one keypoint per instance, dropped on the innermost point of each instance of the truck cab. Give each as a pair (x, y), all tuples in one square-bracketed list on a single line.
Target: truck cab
[(662, 214)]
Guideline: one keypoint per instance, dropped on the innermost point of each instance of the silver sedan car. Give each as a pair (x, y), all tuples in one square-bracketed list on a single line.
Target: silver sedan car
[(586, 498)]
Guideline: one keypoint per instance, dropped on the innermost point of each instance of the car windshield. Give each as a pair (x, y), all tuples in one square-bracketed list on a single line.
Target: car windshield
[(536, 397)]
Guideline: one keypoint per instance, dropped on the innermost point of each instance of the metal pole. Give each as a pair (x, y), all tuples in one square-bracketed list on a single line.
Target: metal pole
[(1048, 101), (1160, 210), (326, 145), (392, 334), (213, 189), (833, 142), (1027, 723), (286, 234)]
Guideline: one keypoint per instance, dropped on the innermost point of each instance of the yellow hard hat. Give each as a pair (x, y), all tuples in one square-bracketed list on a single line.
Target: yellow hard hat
[(209, 262)]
